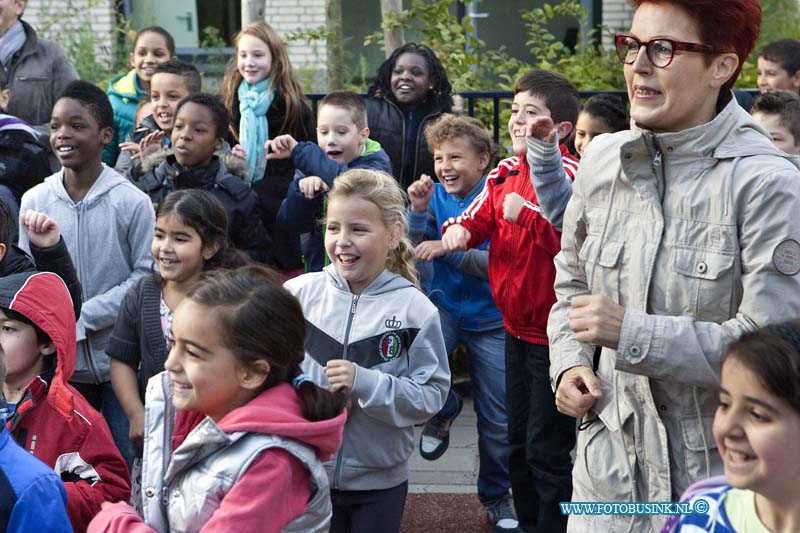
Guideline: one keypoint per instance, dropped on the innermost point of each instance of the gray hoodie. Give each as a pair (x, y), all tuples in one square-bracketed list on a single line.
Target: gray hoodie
[(108, 235), (392, 333)]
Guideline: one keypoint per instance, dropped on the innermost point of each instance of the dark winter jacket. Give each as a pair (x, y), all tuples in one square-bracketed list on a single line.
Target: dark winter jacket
[(54, 259), (36, 76), (245, 229), (124, 93), (271, 190), (298, 213), (23, 161), (387, 125)]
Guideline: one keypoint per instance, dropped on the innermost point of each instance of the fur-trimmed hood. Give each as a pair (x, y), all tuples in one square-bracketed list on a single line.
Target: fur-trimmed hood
[(235, 165)]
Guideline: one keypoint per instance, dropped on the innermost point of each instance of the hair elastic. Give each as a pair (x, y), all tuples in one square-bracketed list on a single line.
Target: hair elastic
[(299, 380)]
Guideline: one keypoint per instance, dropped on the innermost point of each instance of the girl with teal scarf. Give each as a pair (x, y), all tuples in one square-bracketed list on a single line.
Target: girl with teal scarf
[(263, 95)]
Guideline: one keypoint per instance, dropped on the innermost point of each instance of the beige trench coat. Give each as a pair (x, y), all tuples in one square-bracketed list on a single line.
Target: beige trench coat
[(696, 235)]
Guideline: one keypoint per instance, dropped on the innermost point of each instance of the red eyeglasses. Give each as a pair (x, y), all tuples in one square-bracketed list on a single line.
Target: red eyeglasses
[(660, 51)]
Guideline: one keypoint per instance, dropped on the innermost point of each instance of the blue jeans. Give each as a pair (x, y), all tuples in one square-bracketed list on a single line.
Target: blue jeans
[(488, 375), (102, 398)]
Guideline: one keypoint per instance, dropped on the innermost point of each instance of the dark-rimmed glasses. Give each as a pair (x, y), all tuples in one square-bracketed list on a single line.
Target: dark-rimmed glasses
[(660, 51)]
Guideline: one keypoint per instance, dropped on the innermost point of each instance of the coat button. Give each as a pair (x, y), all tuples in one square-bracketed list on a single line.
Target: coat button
[(634, 351), (149, 492), (702, 267), (662, 407), (460, 204)]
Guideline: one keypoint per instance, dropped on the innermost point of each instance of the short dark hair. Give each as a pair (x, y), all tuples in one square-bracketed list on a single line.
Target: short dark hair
[(608, 108), (160, 31), (92, 98), (785, 52), (8, 224), (773, 354), (559, 94), (350, 101), (187, 71), (215, 105), (784, 104)]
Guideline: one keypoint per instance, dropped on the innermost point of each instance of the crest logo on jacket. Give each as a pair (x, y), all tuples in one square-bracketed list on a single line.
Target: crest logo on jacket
[(393, 323), (390, 346)]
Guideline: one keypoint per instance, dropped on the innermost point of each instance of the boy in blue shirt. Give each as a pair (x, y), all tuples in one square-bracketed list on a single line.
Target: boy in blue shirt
[(342, 143), (462, 154)]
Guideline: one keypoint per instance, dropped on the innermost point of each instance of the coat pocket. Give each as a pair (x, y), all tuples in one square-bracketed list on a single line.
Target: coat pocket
[(701, 284), (602, 265)]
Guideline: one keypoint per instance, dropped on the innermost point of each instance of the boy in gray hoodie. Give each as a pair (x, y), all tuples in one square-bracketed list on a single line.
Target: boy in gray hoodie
[(108, 226)]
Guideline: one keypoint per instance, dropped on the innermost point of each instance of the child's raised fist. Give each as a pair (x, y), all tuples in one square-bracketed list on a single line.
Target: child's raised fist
[(281, 147), (543, 129), (512, 205), (455, 238), (42, 231), (420, 193), (311, 185)]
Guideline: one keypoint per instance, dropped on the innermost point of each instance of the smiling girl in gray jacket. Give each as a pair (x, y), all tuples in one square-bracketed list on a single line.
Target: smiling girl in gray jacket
[(372, 333)]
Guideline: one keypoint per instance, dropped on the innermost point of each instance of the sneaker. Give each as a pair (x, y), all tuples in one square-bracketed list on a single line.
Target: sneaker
[(500, 513), (435, 437)]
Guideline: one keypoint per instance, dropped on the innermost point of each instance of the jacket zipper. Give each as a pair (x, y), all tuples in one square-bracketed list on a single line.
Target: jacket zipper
[(658, 170), (166, 454), (82, 276), (337, 475)]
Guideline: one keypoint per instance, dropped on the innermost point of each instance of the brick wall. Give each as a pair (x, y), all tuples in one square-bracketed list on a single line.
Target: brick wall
[(55, 19), (291, 15), (616, 14)]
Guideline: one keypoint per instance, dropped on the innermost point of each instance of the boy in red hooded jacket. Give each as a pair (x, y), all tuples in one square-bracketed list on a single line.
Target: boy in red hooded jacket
[(49, 418)]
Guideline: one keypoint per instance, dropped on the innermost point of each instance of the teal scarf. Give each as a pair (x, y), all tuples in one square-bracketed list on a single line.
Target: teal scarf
[(254, 102)]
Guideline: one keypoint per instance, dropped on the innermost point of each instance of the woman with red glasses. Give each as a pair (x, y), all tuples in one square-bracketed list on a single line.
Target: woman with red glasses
[(681, 234)]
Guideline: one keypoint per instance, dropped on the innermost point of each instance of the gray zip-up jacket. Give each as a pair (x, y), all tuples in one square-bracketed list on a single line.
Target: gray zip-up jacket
[(108, 235), (392, 333), (697, 235)]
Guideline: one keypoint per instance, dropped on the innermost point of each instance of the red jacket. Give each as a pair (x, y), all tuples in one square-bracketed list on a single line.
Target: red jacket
[(521, 270), (53, 421)]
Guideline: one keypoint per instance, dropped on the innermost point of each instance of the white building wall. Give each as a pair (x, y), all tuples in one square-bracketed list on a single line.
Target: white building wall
[(617, 14), (61, 20), (309, 59)]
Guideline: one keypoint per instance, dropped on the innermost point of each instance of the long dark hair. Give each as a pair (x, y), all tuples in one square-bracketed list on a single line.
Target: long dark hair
[(440, 94), (202, 212), (260, 320), (773, 354)]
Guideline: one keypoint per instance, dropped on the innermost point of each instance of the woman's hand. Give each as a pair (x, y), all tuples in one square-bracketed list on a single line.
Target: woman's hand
[(596, 319)]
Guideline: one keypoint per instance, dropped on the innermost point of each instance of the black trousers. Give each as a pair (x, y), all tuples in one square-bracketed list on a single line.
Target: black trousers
[(368, 511), (541, 439)]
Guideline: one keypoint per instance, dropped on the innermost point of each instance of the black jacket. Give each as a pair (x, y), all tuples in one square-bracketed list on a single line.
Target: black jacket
[(55, 259), (245, 230), (271, 190), (387, 125), (23, 162)]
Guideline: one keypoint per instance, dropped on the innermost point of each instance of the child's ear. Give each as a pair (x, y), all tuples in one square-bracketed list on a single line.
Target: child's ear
[(3, 250), (365, 135), (219, 143), (5, 97), (396, 235), (131, 57), (253, 375), (484, 160), (210, 251), (106, 134), (48, 348), (564, 129)]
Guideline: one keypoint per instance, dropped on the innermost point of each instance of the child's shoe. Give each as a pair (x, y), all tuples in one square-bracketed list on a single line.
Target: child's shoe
[(435, 437), (500, 513)]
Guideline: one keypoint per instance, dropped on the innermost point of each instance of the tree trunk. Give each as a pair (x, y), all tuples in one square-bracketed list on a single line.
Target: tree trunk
[(393, 39), (335, 51), (252, 11)]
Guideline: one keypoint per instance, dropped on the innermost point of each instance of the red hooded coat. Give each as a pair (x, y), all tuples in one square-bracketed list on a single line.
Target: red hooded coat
[(52, 420)]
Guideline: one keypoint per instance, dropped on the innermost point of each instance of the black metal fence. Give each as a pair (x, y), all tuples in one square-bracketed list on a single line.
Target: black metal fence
[(471, 98)]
